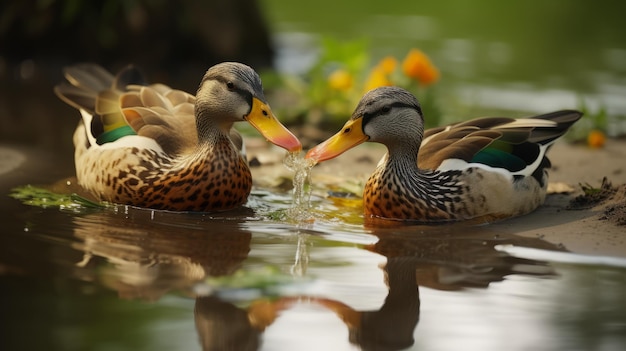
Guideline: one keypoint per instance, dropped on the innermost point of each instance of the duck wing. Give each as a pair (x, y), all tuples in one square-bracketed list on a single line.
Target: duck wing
[(93, 90), (120, 105), (163, 114), (503, 142)]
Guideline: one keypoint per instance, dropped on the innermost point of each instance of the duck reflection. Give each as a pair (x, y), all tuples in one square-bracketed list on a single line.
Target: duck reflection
[(457, 257), (149, 255), (429, 259), (223, 326), (438, 258), (390, 327)]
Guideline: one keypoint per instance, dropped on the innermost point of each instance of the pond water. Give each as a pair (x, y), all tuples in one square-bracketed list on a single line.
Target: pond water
[(121, 278)]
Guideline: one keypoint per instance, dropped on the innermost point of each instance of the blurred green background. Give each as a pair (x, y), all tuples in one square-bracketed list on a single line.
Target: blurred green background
[(556, 43), (494, 57)]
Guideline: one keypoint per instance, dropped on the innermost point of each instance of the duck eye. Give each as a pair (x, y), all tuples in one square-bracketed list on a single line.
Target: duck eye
[(386, 109), (230, 85)]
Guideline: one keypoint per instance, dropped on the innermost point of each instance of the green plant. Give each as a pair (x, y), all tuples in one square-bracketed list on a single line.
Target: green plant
[(332, 87)]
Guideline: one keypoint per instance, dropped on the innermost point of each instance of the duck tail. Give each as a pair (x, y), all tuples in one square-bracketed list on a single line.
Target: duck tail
[(92, 89), (85, 81), (564, 119), (522, 149)]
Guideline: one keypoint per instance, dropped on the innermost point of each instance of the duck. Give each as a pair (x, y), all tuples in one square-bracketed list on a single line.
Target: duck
[(484, 169), (152, 146)]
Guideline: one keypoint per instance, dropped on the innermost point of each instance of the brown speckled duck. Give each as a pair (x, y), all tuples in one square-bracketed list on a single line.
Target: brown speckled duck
[(484, 169), (156, 147)]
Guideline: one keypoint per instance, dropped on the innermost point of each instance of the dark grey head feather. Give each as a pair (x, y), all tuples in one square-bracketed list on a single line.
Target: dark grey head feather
[(237, 72), (376, 101)]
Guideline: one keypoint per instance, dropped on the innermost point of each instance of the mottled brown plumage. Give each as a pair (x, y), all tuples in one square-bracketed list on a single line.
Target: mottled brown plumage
[(483, 169), (156, 147)]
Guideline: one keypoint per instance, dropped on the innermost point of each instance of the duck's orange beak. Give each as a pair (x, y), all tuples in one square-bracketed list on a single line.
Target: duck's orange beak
[(348, 137), (262, 118)]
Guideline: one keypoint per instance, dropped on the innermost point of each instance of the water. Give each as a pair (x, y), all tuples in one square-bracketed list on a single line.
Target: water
[(122, 278), (301, 204)]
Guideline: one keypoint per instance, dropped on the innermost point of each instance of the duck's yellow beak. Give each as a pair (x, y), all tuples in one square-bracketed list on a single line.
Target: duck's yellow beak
[(262, 118), (348, 137)]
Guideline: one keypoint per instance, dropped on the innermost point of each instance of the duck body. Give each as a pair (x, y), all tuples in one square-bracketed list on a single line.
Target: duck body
[(474, 192), (137, 172), (484, 169), (156, 147)]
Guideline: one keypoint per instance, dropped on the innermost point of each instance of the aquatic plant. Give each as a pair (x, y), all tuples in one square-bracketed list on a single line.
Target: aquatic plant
[(40, 197)]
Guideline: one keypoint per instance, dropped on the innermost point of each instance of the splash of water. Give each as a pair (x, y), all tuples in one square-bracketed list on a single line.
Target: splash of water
[(301, 187)]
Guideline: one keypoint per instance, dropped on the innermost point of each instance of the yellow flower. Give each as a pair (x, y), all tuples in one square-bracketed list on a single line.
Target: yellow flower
[(340, 79), (388, 64), (418, 66), (596, 139), (377, 78)]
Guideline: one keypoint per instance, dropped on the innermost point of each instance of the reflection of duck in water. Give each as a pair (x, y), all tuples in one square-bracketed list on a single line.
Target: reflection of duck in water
[(149, 254), (223, 326), (147, 260), (433, 261), (444, 263), (455, 257)]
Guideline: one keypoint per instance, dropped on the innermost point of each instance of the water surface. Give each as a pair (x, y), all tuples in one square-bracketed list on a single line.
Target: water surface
[(124, 278)]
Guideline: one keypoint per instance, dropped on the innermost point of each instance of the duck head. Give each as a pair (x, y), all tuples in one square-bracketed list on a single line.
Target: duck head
[(232, 92), (388, 115)]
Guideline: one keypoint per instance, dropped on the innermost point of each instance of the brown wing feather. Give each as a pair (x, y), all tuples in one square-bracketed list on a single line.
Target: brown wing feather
[(89, 77), (76, 97), (171, 122), (432, 131), (463, 140), (84, 82), (156, 111), (460, 144), (485, 122), (463, 149)]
